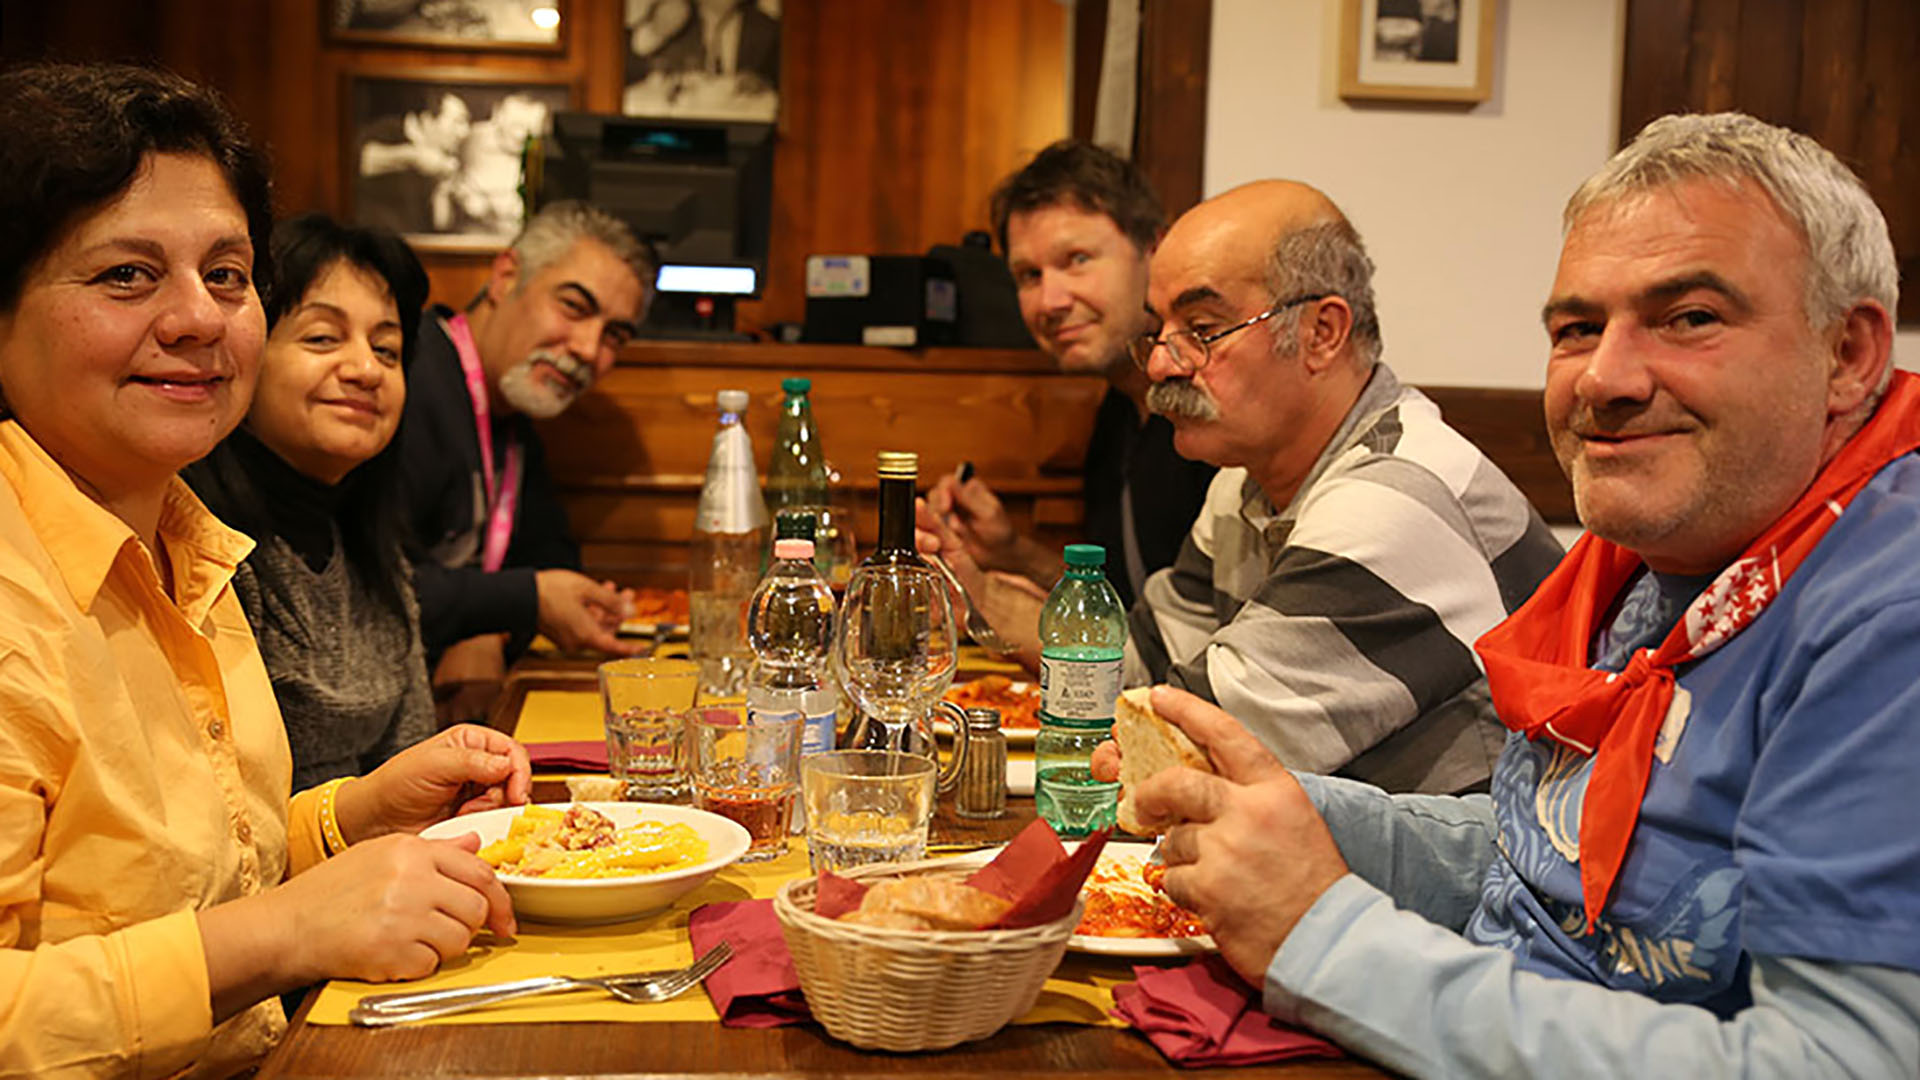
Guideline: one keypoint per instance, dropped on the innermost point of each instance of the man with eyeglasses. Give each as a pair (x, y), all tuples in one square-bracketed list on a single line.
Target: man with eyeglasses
[(1077, 224), (1352, 546)]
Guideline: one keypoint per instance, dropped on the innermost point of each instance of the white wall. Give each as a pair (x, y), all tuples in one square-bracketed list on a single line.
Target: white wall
[(1460, 209)]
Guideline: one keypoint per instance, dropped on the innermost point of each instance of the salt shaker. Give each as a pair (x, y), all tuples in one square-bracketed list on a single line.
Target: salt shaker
[(982, 791)]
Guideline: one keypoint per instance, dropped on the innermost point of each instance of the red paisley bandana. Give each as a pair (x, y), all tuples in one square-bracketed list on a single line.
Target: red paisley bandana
[(1537, 660)]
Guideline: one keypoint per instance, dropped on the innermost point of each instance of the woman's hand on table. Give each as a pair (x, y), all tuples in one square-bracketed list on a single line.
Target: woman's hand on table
[(1246, 849), (462, 770), (392, 908)]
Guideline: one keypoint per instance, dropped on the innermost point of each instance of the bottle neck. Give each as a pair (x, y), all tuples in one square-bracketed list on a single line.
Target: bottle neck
[(896, 517)]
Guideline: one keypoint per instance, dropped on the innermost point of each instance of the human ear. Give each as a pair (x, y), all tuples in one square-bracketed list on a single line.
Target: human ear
[(1861, 348), (503, 276), (1325, 331)]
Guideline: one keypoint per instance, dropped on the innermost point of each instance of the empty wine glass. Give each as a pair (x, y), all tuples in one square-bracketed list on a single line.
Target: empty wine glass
[(895, 653)]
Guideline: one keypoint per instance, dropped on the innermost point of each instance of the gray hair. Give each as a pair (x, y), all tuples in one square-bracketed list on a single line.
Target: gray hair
[(1326, 258), (552, 232), (1849, 254)]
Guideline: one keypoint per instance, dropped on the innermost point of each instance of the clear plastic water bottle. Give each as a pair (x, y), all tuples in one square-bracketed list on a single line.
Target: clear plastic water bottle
[(729, 544), (790, 627), (1083, 637)]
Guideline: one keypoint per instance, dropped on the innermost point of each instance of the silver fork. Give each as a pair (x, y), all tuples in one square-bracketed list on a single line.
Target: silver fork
[(638, 988), (978, 627)]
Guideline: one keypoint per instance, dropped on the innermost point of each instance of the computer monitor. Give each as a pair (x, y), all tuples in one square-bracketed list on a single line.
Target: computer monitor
[(700, 191)]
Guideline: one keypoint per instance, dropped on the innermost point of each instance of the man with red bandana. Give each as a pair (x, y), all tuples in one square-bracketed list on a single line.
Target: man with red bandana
[(1697, 857)]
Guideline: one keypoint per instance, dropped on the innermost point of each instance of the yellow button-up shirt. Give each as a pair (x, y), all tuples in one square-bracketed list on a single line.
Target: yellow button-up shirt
[(143, 776)]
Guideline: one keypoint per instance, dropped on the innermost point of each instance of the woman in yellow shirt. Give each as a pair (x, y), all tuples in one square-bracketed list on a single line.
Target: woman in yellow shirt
[(157, 887)]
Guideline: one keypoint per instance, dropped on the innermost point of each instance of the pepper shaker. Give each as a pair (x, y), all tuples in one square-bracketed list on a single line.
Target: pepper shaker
[(982, 791)]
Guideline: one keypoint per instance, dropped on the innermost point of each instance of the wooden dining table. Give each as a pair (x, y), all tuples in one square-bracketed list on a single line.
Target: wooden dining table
[(707, 1049)]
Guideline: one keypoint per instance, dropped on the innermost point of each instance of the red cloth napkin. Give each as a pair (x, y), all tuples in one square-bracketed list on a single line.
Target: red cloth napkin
[(582, 756), (758, 988), (1034, 872), (1203, 1014)]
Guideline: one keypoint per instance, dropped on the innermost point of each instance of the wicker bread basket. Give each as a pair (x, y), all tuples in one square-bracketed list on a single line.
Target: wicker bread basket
[(886, 989)]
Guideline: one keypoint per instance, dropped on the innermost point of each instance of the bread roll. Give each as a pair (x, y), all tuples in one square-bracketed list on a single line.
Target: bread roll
[(1148, 745)]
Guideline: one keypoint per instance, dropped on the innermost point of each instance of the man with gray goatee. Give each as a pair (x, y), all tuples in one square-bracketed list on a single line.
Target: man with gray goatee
[(1353, 545), (493, 559)]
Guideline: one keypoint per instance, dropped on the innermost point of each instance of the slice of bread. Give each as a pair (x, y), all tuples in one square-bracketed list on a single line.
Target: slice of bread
[(1148, 745)]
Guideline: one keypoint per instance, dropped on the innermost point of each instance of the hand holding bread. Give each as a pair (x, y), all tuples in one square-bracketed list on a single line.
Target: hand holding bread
[(1149, 744)]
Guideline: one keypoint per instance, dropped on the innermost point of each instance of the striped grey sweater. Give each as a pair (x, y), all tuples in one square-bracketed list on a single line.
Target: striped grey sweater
[(1339, 629)]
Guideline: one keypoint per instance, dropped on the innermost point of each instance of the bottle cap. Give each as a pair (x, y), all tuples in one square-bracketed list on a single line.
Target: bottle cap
[(899, 464), (793, 526), (793, 384), (1086, 555), (792, 548), (733, 401)]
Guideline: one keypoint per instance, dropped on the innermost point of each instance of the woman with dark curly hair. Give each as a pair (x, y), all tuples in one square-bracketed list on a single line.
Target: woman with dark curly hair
[(157, 886)]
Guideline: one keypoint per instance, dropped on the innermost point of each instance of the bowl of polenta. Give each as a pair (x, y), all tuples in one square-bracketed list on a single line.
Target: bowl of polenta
[(599, 862)]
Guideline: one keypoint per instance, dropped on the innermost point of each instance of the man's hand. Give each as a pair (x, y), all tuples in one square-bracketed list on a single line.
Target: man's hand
[(1010, 604), (462, 770), (978, 522), (1250, 854), (579, 613)]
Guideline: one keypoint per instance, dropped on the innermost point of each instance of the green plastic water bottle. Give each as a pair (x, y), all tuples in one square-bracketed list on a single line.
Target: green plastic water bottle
[(1083, 636)]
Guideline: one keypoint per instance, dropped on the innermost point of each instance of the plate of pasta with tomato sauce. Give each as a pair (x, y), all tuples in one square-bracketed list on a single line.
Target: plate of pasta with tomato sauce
[(1128, 915)]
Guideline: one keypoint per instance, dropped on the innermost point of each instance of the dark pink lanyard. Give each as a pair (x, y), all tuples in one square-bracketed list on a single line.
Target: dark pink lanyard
[(501, 500)]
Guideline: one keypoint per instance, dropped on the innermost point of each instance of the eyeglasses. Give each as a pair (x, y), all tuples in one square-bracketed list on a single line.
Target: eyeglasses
[(1191, 351)]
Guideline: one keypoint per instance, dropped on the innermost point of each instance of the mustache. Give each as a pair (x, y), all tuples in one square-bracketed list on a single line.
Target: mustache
[(581, 375), (1184, 398)]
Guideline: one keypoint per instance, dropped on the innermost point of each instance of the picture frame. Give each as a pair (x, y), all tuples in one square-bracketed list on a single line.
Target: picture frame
[(1412, 51), (534, 26), (676, 64), (435, 153)]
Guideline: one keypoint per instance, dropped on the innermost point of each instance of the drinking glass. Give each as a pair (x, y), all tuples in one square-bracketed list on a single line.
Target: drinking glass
[(895, 653), (646, 702), (866, 806), (748, 770)]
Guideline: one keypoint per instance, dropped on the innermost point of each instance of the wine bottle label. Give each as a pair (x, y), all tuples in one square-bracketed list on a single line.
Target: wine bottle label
[(1078, 690)]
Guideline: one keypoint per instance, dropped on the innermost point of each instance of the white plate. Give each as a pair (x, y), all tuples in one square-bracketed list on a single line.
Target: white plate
[(649, 628), (612, 899), (1137, 947)]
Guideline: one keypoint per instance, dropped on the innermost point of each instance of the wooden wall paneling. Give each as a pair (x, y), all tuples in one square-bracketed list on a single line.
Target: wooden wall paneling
[(1170, 136), (1089, 47), (1841, 71), (1766, 80), (1828, 99), (1653, 76)]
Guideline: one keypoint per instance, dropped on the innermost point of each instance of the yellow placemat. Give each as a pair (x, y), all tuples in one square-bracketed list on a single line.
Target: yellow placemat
[(561, 716), (1080, 992)]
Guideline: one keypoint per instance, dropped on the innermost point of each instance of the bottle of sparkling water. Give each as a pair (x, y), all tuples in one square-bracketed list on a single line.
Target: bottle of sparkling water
[(1083, 636), (729, 544)]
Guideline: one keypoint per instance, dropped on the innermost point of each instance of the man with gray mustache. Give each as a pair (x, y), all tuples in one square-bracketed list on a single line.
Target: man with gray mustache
[(493, 558), (1352, 545)]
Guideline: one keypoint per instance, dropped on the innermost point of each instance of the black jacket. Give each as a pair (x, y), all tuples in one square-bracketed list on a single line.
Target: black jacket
[(445, 507)]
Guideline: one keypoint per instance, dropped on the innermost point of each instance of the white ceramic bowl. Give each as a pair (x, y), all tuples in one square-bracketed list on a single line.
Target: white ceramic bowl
[(611, 899)]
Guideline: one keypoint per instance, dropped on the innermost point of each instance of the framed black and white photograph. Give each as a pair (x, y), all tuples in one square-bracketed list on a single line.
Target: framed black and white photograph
[(1417, 50), (702, 59), (436, 154), (516, 25)]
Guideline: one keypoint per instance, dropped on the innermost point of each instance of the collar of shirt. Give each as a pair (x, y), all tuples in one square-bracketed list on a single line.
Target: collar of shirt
[(204, 553)]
